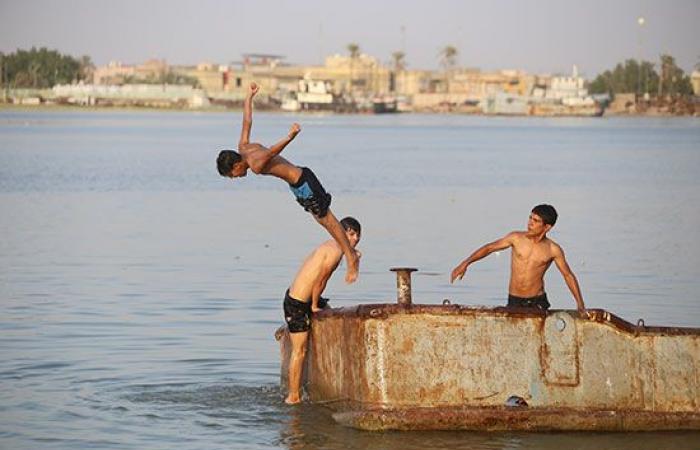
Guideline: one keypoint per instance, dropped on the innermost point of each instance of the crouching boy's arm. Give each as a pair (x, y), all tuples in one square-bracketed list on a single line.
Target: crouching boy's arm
[(320, 284), (316, 292)]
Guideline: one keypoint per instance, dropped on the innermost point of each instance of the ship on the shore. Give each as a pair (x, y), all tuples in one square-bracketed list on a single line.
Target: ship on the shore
[(318, 95), (315, 95), (561, 96), (383, 104)]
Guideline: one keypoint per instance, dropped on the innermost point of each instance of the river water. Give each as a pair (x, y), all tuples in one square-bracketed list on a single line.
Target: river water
[(139, 290)]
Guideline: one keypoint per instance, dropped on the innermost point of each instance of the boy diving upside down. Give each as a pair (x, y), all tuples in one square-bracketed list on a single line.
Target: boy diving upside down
[(306, 188)]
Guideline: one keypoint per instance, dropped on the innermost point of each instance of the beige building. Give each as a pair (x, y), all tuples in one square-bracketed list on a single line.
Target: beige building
[(695, 81), (360, 77), (113, 73), (118, 73), (464, 87), (228, 81)]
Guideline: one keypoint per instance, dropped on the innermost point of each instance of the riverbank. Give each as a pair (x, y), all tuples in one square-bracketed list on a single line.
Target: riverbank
[(626, 112)]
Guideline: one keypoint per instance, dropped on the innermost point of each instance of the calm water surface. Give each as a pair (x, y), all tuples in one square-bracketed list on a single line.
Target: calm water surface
[(139, 291)]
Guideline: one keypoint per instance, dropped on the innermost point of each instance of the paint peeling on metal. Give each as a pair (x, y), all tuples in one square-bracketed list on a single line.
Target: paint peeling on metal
[(392, 366)]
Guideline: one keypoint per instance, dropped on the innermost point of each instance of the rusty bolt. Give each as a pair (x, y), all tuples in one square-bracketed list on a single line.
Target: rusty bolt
[(403, 284)]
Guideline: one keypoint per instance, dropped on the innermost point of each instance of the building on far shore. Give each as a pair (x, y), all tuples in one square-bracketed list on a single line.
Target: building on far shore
[(360, 79), (342, 83), (695, 81), (545, 96), (117, 73)]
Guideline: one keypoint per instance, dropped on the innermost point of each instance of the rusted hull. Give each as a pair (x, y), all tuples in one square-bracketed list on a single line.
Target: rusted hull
[(514, 419), (453, 367)]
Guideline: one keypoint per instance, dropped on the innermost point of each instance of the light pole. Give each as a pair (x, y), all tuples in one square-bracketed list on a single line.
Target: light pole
[(641, 21), (2, 76)]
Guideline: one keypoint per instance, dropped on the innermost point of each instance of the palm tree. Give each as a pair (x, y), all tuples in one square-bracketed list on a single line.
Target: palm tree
[(398, 59), (669, 74), (448, 60), (2, 72), (87, 68), (399, 65), (33, 70), (354, 50)]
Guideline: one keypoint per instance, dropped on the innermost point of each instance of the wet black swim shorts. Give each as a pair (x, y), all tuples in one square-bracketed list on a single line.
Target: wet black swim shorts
[(297, 314), (538, 301), (310, 194)]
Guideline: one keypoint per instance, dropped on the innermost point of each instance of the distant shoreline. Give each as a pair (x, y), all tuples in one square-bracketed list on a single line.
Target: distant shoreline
[(222, 109)]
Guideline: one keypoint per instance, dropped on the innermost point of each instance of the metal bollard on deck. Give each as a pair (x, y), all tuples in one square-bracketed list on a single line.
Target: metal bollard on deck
[(403, 284)]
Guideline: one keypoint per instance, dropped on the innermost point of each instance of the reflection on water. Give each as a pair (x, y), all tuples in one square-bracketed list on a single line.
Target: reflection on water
[(139, 291), (252, 410)]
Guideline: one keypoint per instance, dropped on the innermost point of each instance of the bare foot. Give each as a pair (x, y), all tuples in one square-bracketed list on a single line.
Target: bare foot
[(292, 399)]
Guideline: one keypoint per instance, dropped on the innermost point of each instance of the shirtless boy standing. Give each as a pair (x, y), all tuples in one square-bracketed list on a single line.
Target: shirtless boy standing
[(307, 189), (302, 298), (532, 254)]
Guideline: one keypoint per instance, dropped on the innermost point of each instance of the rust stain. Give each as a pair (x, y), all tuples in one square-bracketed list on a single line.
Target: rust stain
[(407, 346), (514, 419), (599, 316), (441, 376)]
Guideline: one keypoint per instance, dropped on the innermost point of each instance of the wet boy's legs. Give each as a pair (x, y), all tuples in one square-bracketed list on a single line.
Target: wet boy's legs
[(296, 366), (331, 224)]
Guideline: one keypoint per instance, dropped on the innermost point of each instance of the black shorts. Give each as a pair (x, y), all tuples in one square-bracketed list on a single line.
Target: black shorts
[(538, 301), (297, 314), (310, 193)]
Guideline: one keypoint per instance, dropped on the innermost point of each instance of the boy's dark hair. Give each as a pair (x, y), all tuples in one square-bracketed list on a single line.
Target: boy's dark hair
[(226, 160), (547, 213), (351, 223)]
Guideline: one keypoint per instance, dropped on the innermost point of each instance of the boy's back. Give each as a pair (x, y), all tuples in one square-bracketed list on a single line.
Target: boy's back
[(323, 260)]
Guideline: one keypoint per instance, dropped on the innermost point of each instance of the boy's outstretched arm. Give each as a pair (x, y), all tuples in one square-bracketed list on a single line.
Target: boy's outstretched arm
[(261, 156), (482, 252), (282, 143), (248, 115)]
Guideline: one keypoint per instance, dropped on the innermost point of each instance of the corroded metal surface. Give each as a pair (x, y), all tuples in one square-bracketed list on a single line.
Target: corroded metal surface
[(393, 366), (509, 419)]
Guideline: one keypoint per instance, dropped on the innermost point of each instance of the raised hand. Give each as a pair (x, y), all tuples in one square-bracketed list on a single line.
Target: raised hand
[(253, 89), (294, 130)]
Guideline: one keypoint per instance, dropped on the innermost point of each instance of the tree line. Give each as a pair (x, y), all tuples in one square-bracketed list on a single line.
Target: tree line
[(42, 68), (641, 77)]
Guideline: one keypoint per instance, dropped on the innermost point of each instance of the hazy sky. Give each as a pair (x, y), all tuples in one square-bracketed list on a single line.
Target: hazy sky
[(536, 35)]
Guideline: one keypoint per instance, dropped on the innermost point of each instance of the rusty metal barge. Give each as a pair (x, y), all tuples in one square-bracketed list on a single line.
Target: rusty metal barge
[(404, 366)]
